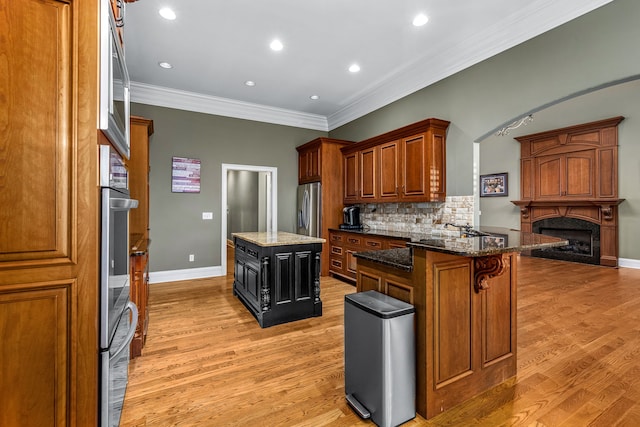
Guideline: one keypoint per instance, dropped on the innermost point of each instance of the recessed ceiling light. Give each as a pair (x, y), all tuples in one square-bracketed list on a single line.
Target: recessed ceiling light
[(354, 68), (420, 20), (314, 97), (250, 83), (165, 65), (167, 13), (276, 45)]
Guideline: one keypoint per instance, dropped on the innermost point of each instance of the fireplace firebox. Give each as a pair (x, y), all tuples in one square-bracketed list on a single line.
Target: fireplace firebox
[(583, 237)]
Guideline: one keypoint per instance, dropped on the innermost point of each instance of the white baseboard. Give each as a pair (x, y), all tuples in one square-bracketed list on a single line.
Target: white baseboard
[(185, 274), (629, 263)]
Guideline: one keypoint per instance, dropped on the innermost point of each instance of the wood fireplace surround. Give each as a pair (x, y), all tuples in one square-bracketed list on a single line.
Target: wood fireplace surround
[(572, 172)]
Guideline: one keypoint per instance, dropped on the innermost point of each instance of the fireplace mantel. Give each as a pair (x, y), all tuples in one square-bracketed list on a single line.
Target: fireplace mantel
[(605, 205)]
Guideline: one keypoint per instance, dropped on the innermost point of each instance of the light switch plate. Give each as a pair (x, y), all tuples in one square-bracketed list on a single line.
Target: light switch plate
[(207, 215)]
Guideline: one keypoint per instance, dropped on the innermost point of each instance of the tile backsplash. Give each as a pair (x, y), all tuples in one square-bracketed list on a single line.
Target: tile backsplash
[(418, 217)]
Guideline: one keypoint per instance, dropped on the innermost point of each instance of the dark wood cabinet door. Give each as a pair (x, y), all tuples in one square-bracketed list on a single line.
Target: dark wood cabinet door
[(390, 171), (49, 213), (309, 164), (351, 178), (368, 171), (413, 167), (304, 276)]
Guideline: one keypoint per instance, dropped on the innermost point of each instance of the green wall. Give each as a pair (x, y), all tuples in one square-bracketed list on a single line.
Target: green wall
[(591, 51)]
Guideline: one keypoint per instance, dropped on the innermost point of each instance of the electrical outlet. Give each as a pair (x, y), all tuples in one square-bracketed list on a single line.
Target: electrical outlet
[(192, 257), (207, 215)]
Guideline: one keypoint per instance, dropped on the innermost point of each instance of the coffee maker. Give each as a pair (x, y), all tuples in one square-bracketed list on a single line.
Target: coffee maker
[(351, 218)]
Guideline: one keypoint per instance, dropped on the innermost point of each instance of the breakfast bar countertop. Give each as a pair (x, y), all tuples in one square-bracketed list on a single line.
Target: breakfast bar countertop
[(492, 241), (277, 238)]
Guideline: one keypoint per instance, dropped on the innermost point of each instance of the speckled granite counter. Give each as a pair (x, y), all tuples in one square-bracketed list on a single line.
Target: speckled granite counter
[(277, 238), (499, 240)]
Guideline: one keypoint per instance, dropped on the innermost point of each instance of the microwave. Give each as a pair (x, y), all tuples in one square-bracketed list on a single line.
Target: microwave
[(114, 83)]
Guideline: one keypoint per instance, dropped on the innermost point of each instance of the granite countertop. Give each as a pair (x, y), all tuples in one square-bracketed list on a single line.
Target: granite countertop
[(400, 258), (496, 241), (277, 238)]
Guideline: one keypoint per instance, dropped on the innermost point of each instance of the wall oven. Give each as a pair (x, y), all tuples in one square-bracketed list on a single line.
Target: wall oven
[(118, 315), (114, 82)]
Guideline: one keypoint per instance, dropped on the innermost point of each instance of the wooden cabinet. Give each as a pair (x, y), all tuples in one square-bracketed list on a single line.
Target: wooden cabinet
[(566, 175), (344, 244), (389, 171), (368, 176), (578, 162), (351, 178), (309, 158), (320, 160), (278, 284), (404, 165), (466, 341), (49, 210), (138, 168)]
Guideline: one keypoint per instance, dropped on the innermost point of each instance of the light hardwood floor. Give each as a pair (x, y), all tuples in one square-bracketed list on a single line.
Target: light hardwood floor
[(208, 363)]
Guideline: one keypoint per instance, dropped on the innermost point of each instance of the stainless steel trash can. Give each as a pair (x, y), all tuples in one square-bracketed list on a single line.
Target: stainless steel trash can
[(379, 357)]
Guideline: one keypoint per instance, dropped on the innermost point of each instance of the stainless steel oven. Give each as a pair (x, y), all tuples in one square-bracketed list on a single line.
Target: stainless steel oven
[(118, 315)]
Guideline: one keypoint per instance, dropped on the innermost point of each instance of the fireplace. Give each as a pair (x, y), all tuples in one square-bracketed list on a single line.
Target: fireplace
[(583, 237), (569, 189)]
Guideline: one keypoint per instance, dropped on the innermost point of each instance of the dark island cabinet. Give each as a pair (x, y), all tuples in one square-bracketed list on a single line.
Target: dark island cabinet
[(278, 284)]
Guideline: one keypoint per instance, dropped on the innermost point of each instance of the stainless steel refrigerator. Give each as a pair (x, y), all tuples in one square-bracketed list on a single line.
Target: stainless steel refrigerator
[(309, 218)]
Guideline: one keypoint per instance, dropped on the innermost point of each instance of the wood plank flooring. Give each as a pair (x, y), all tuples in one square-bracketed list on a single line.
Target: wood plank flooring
[(208, 363)]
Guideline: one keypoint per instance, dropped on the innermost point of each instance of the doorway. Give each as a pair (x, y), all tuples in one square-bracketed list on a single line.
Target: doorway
[(249, 202)]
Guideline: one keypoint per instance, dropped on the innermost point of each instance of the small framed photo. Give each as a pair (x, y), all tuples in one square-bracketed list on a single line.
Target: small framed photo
[(493, 242), (494, 185)]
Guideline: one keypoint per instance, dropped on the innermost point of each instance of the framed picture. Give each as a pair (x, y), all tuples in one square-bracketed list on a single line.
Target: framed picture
[(185, 175), (494, 185), (495, 241)]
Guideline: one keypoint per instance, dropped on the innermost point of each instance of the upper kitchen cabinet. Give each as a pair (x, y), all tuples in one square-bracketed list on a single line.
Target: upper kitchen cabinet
[(404, 165), (138, 163), (320, 160), (49, 200), (309, 157)]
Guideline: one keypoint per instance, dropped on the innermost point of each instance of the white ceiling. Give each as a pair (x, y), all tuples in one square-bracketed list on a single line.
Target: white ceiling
[(215, 46)]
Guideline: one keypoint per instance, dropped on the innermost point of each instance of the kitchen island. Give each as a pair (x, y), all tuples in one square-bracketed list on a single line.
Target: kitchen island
[(277, 275), (464, 293)]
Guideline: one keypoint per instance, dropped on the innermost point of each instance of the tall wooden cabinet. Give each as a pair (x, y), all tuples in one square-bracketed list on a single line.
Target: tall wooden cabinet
[(405, 165), (319, 161), (138, 164), (49, 213)]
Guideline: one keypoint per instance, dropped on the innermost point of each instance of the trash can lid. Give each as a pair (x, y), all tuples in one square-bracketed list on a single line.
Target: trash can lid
[(379, 304)]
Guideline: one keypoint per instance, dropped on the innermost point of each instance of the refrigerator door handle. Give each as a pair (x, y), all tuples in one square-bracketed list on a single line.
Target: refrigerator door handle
[(305, 209)]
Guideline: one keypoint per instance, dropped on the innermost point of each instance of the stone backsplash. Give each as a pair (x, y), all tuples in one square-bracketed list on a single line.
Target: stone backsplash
[(418, 217)]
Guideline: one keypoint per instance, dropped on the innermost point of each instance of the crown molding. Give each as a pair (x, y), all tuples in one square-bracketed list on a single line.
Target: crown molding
[(182, 100)]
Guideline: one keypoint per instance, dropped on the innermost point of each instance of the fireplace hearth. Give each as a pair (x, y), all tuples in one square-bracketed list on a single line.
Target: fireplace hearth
[(583, 237)]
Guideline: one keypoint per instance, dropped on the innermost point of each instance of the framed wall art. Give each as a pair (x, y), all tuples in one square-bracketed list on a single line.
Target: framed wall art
[(494, 185), (185, 175)]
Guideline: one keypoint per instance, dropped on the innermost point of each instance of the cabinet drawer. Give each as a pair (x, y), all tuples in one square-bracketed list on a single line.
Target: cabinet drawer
[(337, 238), (372, 244), (336, 250), (336, 264), (354, 240)]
